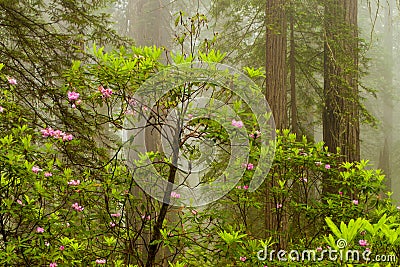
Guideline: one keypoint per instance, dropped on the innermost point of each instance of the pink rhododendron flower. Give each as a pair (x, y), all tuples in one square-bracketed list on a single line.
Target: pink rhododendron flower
[(106, 93), (355, 202), (248, 166), (67, 137), (327, 166), (39, 230), (243, 259), (101, 261), (238, 124), (116, 214), (363, 242), (53, 264), (72, 96), (48, 174), (58, 134), (12, 81), (255, 135), (175, 195), (36, 169), (47, 132), (74, 182), (76, 207)]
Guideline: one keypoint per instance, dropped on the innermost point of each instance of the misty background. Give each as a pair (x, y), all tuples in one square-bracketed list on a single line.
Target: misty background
[(152, 22)]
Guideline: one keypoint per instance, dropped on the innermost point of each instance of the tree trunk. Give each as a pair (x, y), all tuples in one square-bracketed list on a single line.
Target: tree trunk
[(276, 72), (387, 96), (275, 66), (341, 113), (292, 66), (341, 127)]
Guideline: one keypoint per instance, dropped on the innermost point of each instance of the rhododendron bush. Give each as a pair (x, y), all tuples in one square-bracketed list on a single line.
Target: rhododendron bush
[(68, 197)]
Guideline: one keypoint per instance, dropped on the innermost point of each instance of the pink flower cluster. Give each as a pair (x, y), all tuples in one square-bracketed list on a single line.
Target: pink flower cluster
[(327, 166), (238, 124), (76, 207), (106, 93), (12, 81), (255, 135), (36, 169), (175, 195), (245, 187), (74, 98), (74, 182), (248, 166), (100, 261), (57, 134)]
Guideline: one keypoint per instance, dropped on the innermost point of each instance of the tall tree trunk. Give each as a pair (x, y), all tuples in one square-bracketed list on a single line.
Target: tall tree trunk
[(292, 66), (275, 66), (341, 127), (341, 113), (387, 95), (276, 72)]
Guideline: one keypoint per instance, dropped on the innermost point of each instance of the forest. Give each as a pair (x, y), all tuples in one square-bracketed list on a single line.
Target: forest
[(179, 133)]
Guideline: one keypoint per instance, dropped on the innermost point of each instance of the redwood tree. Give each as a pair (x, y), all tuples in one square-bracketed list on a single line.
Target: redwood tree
[(341, 111), (341, 127), (276, 73)]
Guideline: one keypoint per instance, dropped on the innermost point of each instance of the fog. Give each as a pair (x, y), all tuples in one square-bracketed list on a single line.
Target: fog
[(151, 22)]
